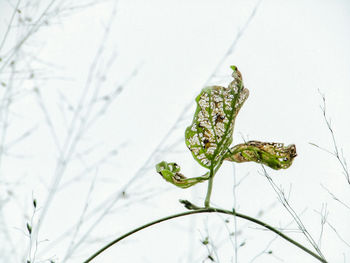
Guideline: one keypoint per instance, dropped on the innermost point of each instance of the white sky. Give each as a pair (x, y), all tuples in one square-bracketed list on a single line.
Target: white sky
[(286, 52)]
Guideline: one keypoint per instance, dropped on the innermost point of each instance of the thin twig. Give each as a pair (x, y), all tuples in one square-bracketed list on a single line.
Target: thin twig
[(334, 197), (291, 211), (235, 207), (336, 153)]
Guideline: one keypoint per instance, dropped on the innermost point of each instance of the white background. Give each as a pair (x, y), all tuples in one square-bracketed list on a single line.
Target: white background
[(99, 92)]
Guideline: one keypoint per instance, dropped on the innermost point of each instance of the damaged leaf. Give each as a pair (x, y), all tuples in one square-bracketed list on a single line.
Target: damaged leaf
[(274, 155), (210, 134)]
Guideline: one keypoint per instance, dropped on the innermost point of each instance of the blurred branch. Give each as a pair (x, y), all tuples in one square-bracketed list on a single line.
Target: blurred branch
[(15, 11), (77, 126)]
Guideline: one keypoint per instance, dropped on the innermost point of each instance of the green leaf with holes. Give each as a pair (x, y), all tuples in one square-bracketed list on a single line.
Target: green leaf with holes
[(274, 155), (210, 134)]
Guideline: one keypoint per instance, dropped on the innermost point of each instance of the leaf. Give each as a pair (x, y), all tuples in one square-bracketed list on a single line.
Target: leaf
[(29, 228), (210, 134), (274, 155), (171, 173), (205, 241)]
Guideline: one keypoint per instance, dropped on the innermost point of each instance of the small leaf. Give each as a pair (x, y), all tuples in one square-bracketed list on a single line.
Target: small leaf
[(34, 203), (211, 258), (274, 155), (171, 173), (234, 68), (210, 134), (29, 228), (205, 241)]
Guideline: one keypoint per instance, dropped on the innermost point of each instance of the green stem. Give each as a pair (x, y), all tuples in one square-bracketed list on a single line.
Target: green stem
[(208, 210), (210, 188), (212, 172)]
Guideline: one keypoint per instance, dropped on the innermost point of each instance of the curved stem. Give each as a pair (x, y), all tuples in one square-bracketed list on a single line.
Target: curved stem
[(207, 210)]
